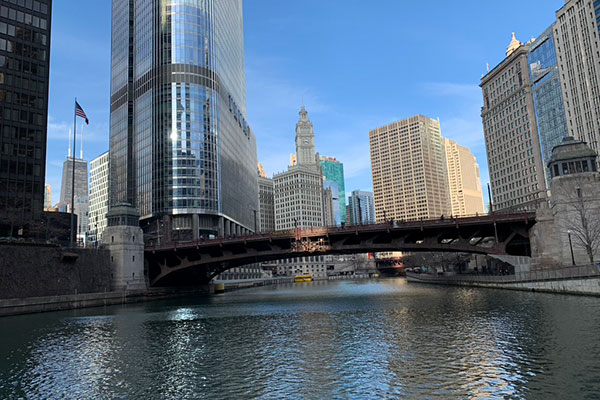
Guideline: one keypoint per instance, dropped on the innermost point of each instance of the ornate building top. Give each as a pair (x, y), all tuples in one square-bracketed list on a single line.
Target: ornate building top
[(514, 45), (305, 140)]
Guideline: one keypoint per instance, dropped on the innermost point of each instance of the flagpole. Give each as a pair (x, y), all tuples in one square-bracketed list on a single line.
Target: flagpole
[(73, 171)]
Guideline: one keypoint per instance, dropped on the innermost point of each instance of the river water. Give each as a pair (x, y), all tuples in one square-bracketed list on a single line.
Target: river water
[(370, 339)]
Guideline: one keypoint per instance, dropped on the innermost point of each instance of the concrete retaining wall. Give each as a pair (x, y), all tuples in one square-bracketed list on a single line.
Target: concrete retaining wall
[(69, 302), (35, 270), (582, 286)]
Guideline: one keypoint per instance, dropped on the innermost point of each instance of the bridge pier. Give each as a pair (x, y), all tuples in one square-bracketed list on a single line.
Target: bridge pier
[(125, 241)]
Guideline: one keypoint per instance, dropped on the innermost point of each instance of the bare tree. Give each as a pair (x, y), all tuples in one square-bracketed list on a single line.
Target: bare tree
[(585, 224)]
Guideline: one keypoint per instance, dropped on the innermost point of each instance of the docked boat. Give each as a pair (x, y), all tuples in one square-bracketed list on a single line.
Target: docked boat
[(303, 278)]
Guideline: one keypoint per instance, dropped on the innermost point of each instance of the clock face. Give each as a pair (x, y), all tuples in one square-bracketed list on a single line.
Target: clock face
[(305, 141)]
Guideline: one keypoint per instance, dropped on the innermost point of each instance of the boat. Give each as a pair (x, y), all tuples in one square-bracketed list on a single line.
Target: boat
[(303, 278)]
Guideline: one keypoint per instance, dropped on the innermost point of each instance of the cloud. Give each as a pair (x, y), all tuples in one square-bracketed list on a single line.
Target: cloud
[(59, 131), (461, 120)]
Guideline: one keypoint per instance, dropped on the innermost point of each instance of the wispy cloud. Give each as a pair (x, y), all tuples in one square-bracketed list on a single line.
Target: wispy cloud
[(58, 131), (462, 118)]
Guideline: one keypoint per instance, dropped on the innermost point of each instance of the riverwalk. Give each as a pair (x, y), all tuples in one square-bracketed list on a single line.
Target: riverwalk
[(580, 279)]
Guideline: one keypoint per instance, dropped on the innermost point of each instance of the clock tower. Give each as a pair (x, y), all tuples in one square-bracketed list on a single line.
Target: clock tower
[(305, 140)]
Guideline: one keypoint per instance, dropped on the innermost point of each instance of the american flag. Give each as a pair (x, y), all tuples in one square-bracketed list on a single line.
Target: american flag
[(80, 113)]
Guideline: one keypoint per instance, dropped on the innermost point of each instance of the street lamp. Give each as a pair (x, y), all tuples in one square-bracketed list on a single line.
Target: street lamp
[(571, 246)]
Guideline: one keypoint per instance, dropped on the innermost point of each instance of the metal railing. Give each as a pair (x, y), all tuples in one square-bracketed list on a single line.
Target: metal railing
[(322, 231)]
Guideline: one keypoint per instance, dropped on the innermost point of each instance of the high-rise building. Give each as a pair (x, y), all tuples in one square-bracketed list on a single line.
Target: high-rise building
[(361, 208), (333, 171), (547, 94), (81, 198), (517, 174), (576, 34), (47, 197), (266, 204), (409, 170), (24, 71), (180, 147), (98, 197), (331, 204), (298, 192), (464, 182)]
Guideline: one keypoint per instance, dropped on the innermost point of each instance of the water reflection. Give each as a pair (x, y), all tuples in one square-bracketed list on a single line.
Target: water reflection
[(344, 339)]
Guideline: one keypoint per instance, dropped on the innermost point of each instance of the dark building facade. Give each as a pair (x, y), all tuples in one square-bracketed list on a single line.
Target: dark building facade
[(181, 150), (24, 71)]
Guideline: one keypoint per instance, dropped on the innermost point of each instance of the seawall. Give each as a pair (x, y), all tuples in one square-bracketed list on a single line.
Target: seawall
[(38, 270), (30, 305), (581, 280)]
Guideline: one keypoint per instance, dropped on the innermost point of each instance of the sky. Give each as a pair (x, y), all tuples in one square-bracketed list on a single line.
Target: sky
[(355, 68)]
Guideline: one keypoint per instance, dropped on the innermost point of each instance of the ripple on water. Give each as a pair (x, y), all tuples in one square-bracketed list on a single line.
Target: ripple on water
[(359, 340)]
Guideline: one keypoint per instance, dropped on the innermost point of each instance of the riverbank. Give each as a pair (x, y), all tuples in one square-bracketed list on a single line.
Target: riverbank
[(30, 305), (581, 280)]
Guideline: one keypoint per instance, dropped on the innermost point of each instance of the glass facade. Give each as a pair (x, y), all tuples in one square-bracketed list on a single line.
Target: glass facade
[(333, 170), (180, 143), (547, 95), (361, 208), (24, 70)]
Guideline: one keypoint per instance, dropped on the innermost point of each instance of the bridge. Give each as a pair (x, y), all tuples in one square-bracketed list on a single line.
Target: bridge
[(192, 263)]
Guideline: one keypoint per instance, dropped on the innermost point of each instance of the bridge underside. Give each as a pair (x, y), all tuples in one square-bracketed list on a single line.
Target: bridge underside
[(198, 263)]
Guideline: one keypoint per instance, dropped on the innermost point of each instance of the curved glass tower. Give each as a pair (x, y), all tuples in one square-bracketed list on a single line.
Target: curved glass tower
[(181, 150)]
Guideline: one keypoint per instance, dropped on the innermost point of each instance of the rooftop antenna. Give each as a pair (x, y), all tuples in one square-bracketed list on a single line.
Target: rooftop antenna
[(69, 149), (81, 151), (487, 65)]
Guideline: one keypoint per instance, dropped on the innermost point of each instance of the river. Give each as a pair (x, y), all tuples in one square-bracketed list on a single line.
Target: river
[(362, 339)]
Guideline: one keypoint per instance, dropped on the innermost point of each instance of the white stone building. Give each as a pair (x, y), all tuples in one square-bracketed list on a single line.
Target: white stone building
[(298, 192), (98, 205)]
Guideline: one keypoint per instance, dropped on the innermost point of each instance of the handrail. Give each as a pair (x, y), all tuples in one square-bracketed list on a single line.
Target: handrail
[(322, 231)]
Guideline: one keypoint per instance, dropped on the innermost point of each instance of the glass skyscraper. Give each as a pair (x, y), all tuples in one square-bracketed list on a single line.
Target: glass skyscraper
[(333, 171), (24, 72), (360, 205), (547, 94), (181, 149)]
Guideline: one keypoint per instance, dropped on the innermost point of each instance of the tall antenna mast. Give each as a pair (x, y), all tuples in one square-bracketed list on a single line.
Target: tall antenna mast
[(81, 152)]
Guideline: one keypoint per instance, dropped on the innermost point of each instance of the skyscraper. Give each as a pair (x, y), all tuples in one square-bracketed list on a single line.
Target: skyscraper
[(547, 94), (333, 171), (47, 197), (409, 170), (298, 192), (360, 205), (24, 71), (576, 32), (517, 174), (180, 147), (81, 198), (266, 201), (331, 204), (464, 182), (98, 197)]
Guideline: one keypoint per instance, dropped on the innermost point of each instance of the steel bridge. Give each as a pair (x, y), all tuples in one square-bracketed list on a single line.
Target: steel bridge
[(192, 263)]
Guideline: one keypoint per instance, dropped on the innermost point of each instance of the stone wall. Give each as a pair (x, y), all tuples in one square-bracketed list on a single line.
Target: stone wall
[(31, 270)]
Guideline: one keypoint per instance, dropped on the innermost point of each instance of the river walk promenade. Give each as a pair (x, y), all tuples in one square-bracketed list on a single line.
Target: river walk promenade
[(581, 279)]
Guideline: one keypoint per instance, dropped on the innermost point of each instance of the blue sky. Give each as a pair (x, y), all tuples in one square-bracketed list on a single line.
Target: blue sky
[(357, 65)]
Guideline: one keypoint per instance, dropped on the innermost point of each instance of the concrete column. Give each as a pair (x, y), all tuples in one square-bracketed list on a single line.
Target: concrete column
[(221, 226), (195, 226), (227, 230)]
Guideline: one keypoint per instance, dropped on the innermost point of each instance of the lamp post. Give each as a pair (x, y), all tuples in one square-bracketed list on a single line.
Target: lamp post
[(571, 246)]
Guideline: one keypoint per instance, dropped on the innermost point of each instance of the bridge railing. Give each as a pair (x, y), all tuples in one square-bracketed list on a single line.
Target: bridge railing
[(316, 231)]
